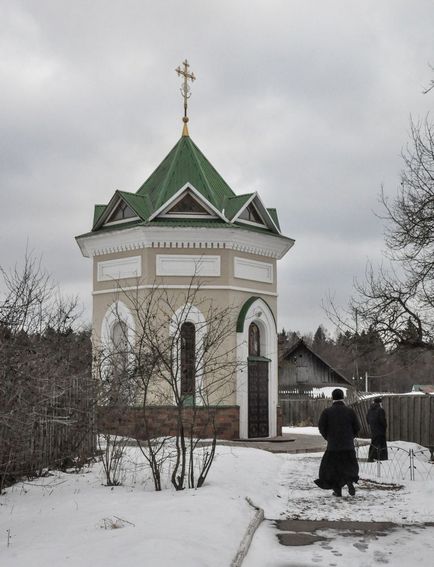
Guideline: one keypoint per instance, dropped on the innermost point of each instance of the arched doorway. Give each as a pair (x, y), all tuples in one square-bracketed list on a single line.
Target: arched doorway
[(257, 391)]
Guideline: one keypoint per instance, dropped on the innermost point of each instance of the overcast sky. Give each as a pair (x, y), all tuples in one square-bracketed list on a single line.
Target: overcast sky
[(306, 102)]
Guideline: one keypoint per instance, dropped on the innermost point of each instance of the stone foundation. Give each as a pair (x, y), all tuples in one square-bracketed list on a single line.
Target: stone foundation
[(162, 420)]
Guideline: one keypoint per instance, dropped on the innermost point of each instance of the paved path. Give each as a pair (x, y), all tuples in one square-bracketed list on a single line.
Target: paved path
[(305, 543), (317, 529)]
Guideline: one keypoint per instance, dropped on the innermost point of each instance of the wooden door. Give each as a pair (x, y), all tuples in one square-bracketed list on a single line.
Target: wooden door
[(258, 398)]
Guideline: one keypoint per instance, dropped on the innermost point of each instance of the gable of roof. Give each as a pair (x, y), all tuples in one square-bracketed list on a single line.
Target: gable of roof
[(301, 344), (254, 201), (136, 202), (233, 204)]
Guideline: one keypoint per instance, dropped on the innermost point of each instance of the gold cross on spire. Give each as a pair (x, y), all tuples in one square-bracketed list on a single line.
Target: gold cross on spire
[(185, 91)]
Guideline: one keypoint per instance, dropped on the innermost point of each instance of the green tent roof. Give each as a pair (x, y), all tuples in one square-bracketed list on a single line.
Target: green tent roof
[(184, 164)]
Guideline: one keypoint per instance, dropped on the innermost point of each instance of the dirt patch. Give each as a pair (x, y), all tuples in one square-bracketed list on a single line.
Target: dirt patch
[(294, 539), (338, 525), (303, 532), (376, 485)]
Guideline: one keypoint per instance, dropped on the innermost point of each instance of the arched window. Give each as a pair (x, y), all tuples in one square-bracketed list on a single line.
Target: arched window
[(188, 356), (119, 334), (254, 340), (120, 347)]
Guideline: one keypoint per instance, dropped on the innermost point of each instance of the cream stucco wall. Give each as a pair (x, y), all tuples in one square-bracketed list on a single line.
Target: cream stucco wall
[(149, 260), (218, 292)]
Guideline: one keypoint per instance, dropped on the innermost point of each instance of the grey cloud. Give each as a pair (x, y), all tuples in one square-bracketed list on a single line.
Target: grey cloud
[(306, 102)]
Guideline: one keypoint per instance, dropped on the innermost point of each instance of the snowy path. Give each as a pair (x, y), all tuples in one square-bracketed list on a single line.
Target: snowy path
[(412, 503)]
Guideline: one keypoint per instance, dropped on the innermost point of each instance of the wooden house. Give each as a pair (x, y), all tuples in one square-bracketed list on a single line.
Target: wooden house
[(303, 369)]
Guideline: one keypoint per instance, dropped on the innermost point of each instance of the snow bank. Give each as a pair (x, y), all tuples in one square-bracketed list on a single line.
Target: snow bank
[(72, 519)]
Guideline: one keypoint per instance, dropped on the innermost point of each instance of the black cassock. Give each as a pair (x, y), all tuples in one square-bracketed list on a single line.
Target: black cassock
[(337, 469), (339, 425), (376, 418)]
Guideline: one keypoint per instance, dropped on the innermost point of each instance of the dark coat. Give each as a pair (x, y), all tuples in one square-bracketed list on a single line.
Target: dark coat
[(339, 425), (376, 418)]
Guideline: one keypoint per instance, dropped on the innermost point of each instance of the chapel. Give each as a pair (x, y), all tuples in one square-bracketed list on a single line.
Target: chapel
[(183, 227)]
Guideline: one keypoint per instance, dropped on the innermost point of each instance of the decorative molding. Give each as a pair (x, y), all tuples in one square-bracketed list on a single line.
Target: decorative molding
[(138, 237), (121, 268), (121, 221), (185, 189), (185, 286), (187, 265), (247, 269)]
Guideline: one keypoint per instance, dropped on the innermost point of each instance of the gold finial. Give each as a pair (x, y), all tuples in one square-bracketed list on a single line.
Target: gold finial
[(185, 91)]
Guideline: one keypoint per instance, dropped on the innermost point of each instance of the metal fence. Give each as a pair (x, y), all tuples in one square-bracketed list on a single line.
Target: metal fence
[(402, 464)]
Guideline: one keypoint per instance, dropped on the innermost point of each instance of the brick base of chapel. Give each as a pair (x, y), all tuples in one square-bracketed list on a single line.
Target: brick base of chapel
[(161, 421)]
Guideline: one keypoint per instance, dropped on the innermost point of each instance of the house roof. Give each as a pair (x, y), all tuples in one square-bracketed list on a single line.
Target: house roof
[(185, 168), (301, 343), (425, 388)]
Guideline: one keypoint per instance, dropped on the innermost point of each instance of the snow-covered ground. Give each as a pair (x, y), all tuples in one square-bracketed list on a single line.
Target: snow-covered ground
[(73, 519), (309, 430), (408, 503)]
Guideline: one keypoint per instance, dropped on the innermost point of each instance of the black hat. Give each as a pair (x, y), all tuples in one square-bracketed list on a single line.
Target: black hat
[(378, 400), (337, 394)]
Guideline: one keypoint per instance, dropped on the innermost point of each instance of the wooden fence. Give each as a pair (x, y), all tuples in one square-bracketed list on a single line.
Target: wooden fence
[(302, 411), (302, 406), (409, 418), (55, 431)]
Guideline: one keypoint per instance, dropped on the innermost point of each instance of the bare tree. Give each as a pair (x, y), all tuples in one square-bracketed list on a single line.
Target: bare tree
[(430, 87), (184, 368), (46, 393), (397, 300)]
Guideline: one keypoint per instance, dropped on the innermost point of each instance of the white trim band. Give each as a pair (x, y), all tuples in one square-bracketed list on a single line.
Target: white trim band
[(135, 238), (186, 286)]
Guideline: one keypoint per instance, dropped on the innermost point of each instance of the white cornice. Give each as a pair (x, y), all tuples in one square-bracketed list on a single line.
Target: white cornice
[(137, 237), (250, 290)]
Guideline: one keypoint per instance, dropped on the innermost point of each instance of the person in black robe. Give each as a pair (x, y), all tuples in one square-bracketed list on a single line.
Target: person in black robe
[(376, 418), (339, 426)]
